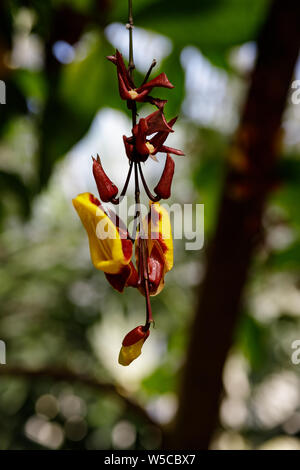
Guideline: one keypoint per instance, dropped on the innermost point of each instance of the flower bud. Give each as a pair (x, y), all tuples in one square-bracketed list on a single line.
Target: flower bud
[(106, 188), (163, 188), (132, 345)]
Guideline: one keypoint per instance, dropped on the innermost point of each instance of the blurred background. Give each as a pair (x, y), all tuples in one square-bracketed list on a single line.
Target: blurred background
[(62, 386)]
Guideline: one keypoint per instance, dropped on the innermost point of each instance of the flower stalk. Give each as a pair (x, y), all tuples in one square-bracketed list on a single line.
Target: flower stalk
[(144, 251), (151, 239), (130, 27)]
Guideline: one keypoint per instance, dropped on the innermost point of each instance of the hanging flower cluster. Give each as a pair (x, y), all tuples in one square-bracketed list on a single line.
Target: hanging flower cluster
[(152, 238)]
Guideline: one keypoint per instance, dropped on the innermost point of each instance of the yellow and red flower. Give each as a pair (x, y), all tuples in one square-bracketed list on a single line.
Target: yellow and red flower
[(111, 251), (111, 246)]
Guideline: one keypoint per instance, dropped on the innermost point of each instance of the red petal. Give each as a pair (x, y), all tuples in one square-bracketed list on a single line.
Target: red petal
[(140, 132), (117, 59), (132, 281), (125, 82), (141, 97), (128, 147), (160, 137), (106, 188), (172, 121), (160, 81), (127, 248), (123, 70), (157, 140), (118, 281), (155, 269), (123, 90), (112, 58), (156, 102), (166, 149), (156, 122), (135, 335), (163, 188)]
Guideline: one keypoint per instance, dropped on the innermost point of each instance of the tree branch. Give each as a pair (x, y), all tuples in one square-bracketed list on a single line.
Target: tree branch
[(249, 179), (63, 374)]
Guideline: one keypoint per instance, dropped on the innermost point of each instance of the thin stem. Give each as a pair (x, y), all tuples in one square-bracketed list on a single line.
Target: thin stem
[(137, 202), (123, 192), (147, 190), (130, 28), (133, 112), (137, 185), (143, 265), (149, 71), (144, 256), (131, 66), (149, 317)]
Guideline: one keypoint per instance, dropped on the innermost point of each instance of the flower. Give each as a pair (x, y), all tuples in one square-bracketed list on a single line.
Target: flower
[(132, 345), (111, 248), (156, 233), (127, 89), (106, 188), (156, 124), (111, 251)]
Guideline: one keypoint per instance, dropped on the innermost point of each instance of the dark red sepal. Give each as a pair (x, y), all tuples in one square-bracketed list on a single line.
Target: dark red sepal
[(128, 277), (163, 188), (135, 335), (106, 188)]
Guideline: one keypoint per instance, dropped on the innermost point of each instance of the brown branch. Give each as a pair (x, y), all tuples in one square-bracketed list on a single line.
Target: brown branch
[(249, 179), (63, 374)]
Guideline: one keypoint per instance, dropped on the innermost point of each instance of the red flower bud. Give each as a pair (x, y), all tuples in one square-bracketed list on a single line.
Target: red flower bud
[(163, 188), (132, 345), (106, 188), (135, 335)]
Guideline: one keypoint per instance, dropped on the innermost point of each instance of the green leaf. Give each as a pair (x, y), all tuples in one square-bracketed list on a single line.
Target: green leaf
[(161, 381), (214, 24), (252, 339), (83, 85), (288, 259)]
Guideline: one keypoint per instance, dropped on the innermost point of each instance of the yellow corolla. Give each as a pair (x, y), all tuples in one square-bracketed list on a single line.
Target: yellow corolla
[(159, 227), (109, 252), (158, 236)]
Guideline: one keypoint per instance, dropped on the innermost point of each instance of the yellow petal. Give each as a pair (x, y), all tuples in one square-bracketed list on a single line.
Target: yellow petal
[(108, 253), (130, 353), (162, 230), (159, 232)]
